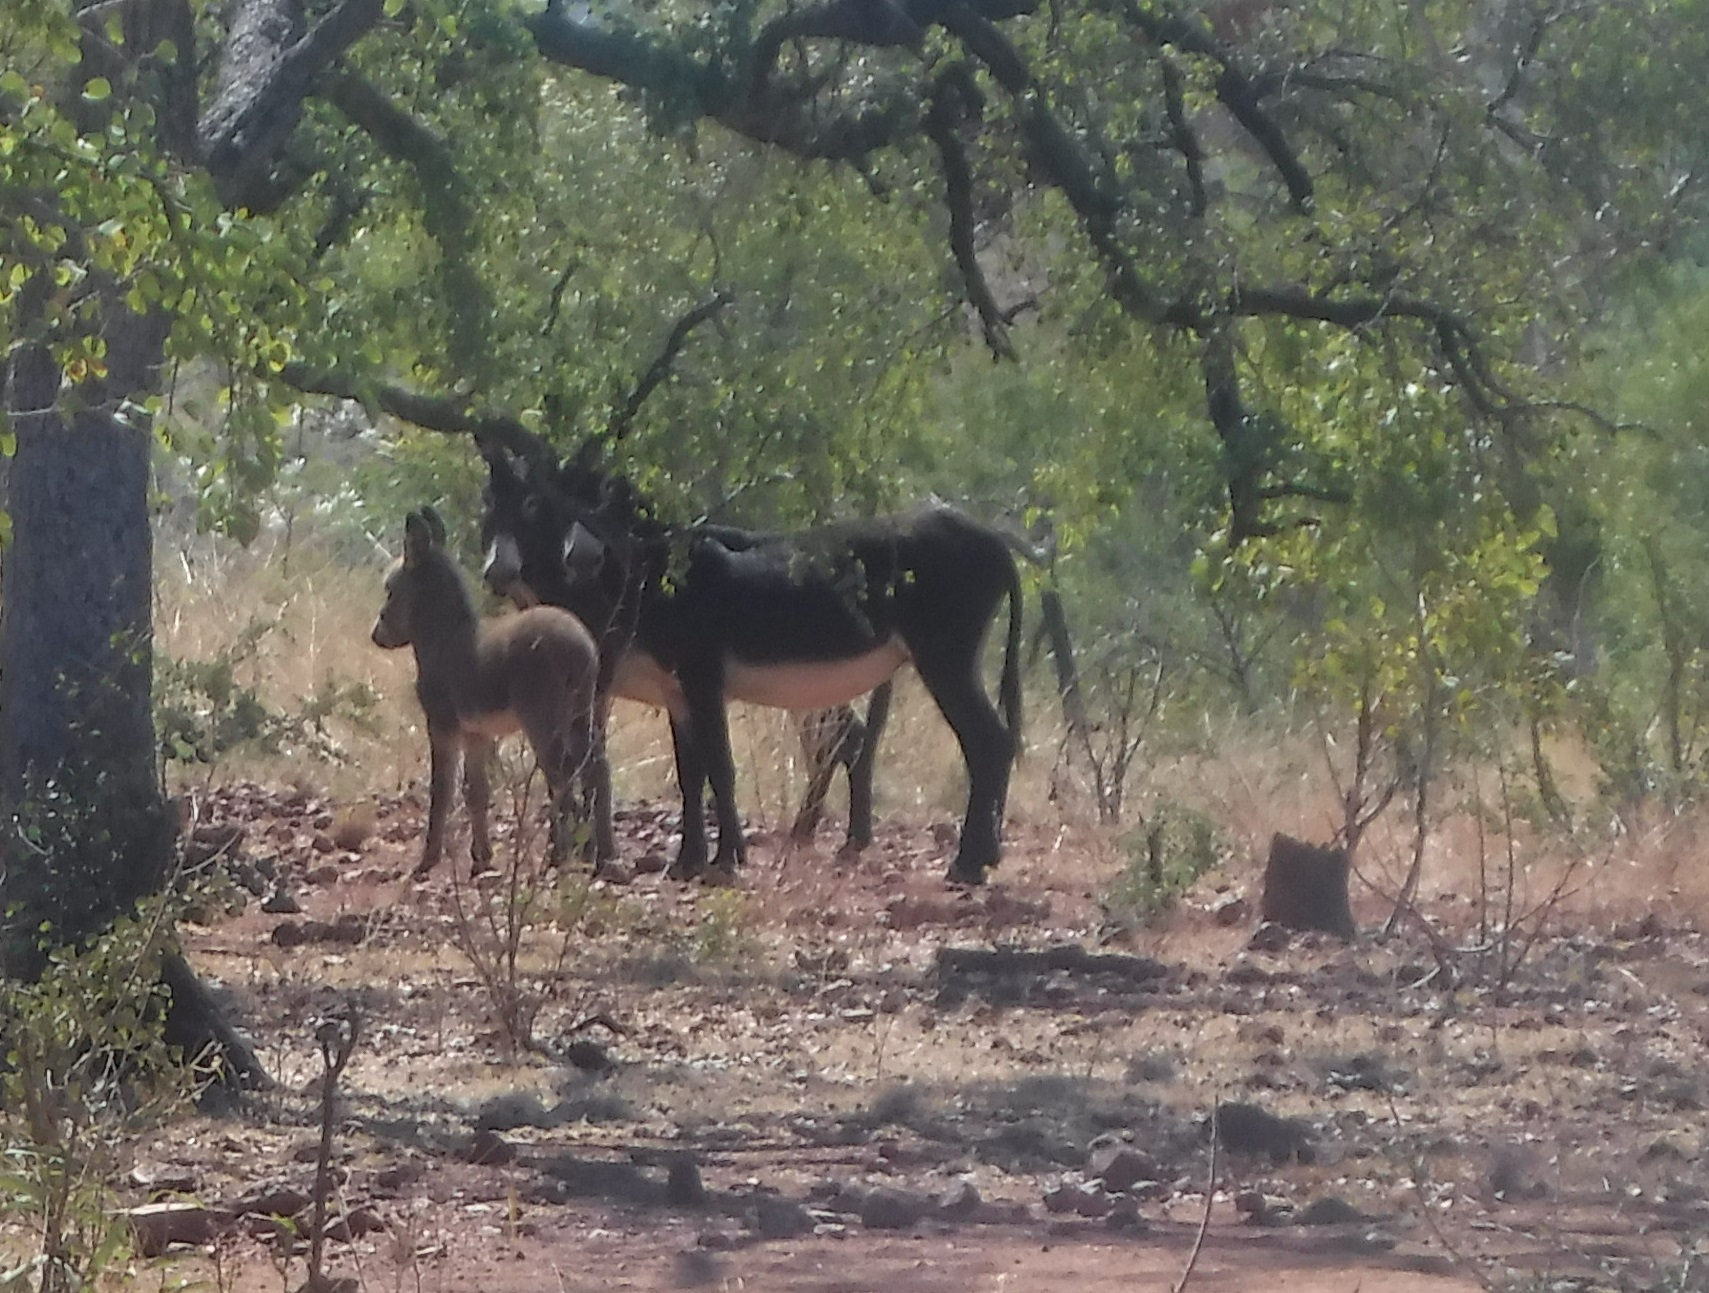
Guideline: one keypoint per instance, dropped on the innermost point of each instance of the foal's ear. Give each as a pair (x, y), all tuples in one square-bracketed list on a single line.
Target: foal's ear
[(423, 531)]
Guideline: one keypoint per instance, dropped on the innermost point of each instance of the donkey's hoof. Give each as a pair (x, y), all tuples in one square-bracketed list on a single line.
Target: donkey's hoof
[(964, 877), (423, 868), (684, 871)]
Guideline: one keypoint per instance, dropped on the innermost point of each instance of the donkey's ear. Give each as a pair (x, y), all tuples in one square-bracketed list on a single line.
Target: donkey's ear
[(435, 524), (419, 537)]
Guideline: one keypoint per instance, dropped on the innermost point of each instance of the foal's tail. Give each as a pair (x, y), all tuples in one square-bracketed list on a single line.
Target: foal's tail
[(1010, 687)]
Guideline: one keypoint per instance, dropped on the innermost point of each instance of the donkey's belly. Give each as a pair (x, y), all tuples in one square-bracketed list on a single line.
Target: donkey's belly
[(493, 723), (812, 684), (640, 677)]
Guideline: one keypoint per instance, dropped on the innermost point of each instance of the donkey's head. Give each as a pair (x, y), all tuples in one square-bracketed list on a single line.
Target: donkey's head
[(519, 530), (554, 534), (424, 590)]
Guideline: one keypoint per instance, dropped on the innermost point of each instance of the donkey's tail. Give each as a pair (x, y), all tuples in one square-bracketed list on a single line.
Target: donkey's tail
[(1010, 687)]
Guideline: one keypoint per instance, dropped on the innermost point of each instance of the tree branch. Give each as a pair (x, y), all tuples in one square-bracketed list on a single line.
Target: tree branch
[(1239, 92), (268, 63), (446, 205), (448, 414), (778, 116), (956, 99), (662, 364)]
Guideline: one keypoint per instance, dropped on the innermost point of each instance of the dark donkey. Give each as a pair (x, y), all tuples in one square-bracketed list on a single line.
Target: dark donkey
[(690, 617), (535, 670)]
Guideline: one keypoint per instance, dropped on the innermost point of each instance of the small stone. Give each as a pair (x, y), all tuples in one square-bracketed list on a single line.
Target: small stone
[(162, 1181), (282, 903), (354, 1224), (270, 1201), (683, 1186), (1268, 937), (1229, 910), (160, 1225), (1124, 1215), (775, 1218), (959, 1202), (1119, 1166), (1091, 1201), (1329, 1211), (886, 1209), (489, 1149), (1059, 1199)]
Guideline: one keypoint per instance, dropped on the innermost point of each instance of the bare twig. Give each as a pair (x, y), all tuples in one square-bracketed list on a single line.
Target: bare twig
[(1180, 1285), (337, 1035)]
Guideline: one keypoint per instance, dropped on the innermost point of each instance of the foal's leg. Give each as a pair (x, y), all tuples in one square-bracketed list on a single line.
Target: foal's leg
[(444, 750), (597, 777), (477, 794)]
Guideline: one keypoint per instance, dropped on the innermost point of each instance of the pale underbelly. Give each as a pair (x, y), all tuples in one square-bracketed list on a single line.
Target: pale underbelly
[(492, 725), (816, 684), (813, 685)]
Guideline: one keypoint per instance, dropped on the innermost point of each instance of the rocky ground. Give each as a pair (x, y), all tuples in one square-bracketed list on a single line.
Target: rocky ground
[(842, 1075)]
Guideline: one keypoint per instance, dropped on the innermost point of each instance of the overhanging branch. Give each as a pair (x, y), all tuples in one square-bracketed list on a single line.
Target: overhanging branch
[(447, 208), (268, 63)]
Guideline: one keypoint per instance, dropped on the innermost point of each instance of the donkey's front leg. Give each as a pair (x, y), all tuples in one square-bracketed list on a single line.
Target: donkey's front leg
[(442, 780), (477, 794)]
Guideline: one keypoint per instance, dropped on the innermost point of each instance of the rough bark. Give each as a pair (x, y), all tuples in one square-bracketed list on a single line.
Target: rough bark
[(87, 830), (77, 757)]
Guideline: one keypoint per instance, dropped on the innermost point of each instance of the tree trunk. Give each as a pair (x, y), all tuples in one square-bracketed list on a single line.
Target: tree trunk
[(1305, 887), (88, 830), (78, 778)]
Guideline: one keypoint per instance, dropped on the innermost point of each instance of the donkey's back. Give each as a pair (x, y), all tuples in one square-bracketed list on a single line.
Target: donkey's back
[(532, 667)]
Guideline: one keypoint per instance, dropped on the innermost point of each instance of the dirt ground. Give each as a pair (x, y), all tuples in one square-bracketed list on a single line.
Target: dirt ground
[(843, 1075)]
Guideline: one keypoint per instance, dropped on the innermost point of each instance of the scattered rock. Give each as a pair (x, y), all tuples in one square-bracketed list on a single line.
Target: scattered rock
[(1329, 1211), (1247, 1129), (1060, 1198), (354, 825), (1090, 1201), (162, 1181), (1268, 937), (281, 903), (887, 1209), (589, 1056), (354, 1224), (959, 1202), (349, 930), (322, 876), (270, 1201), (1229, 910), (160, 1225), (487, 1148), (1124, 1216), (1262, 1210), (775, 1218), (512, 1109), (683, 1186), (1119, 1166)]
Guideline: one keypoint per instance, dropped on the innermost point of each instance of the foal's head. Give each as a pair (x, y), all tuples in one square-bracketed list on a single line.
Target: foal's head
[(426, 597)]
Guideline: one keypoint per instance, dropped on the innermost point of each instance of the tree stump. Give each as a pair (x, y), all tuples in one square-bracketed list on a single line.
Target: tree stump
[(1305, 887)]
